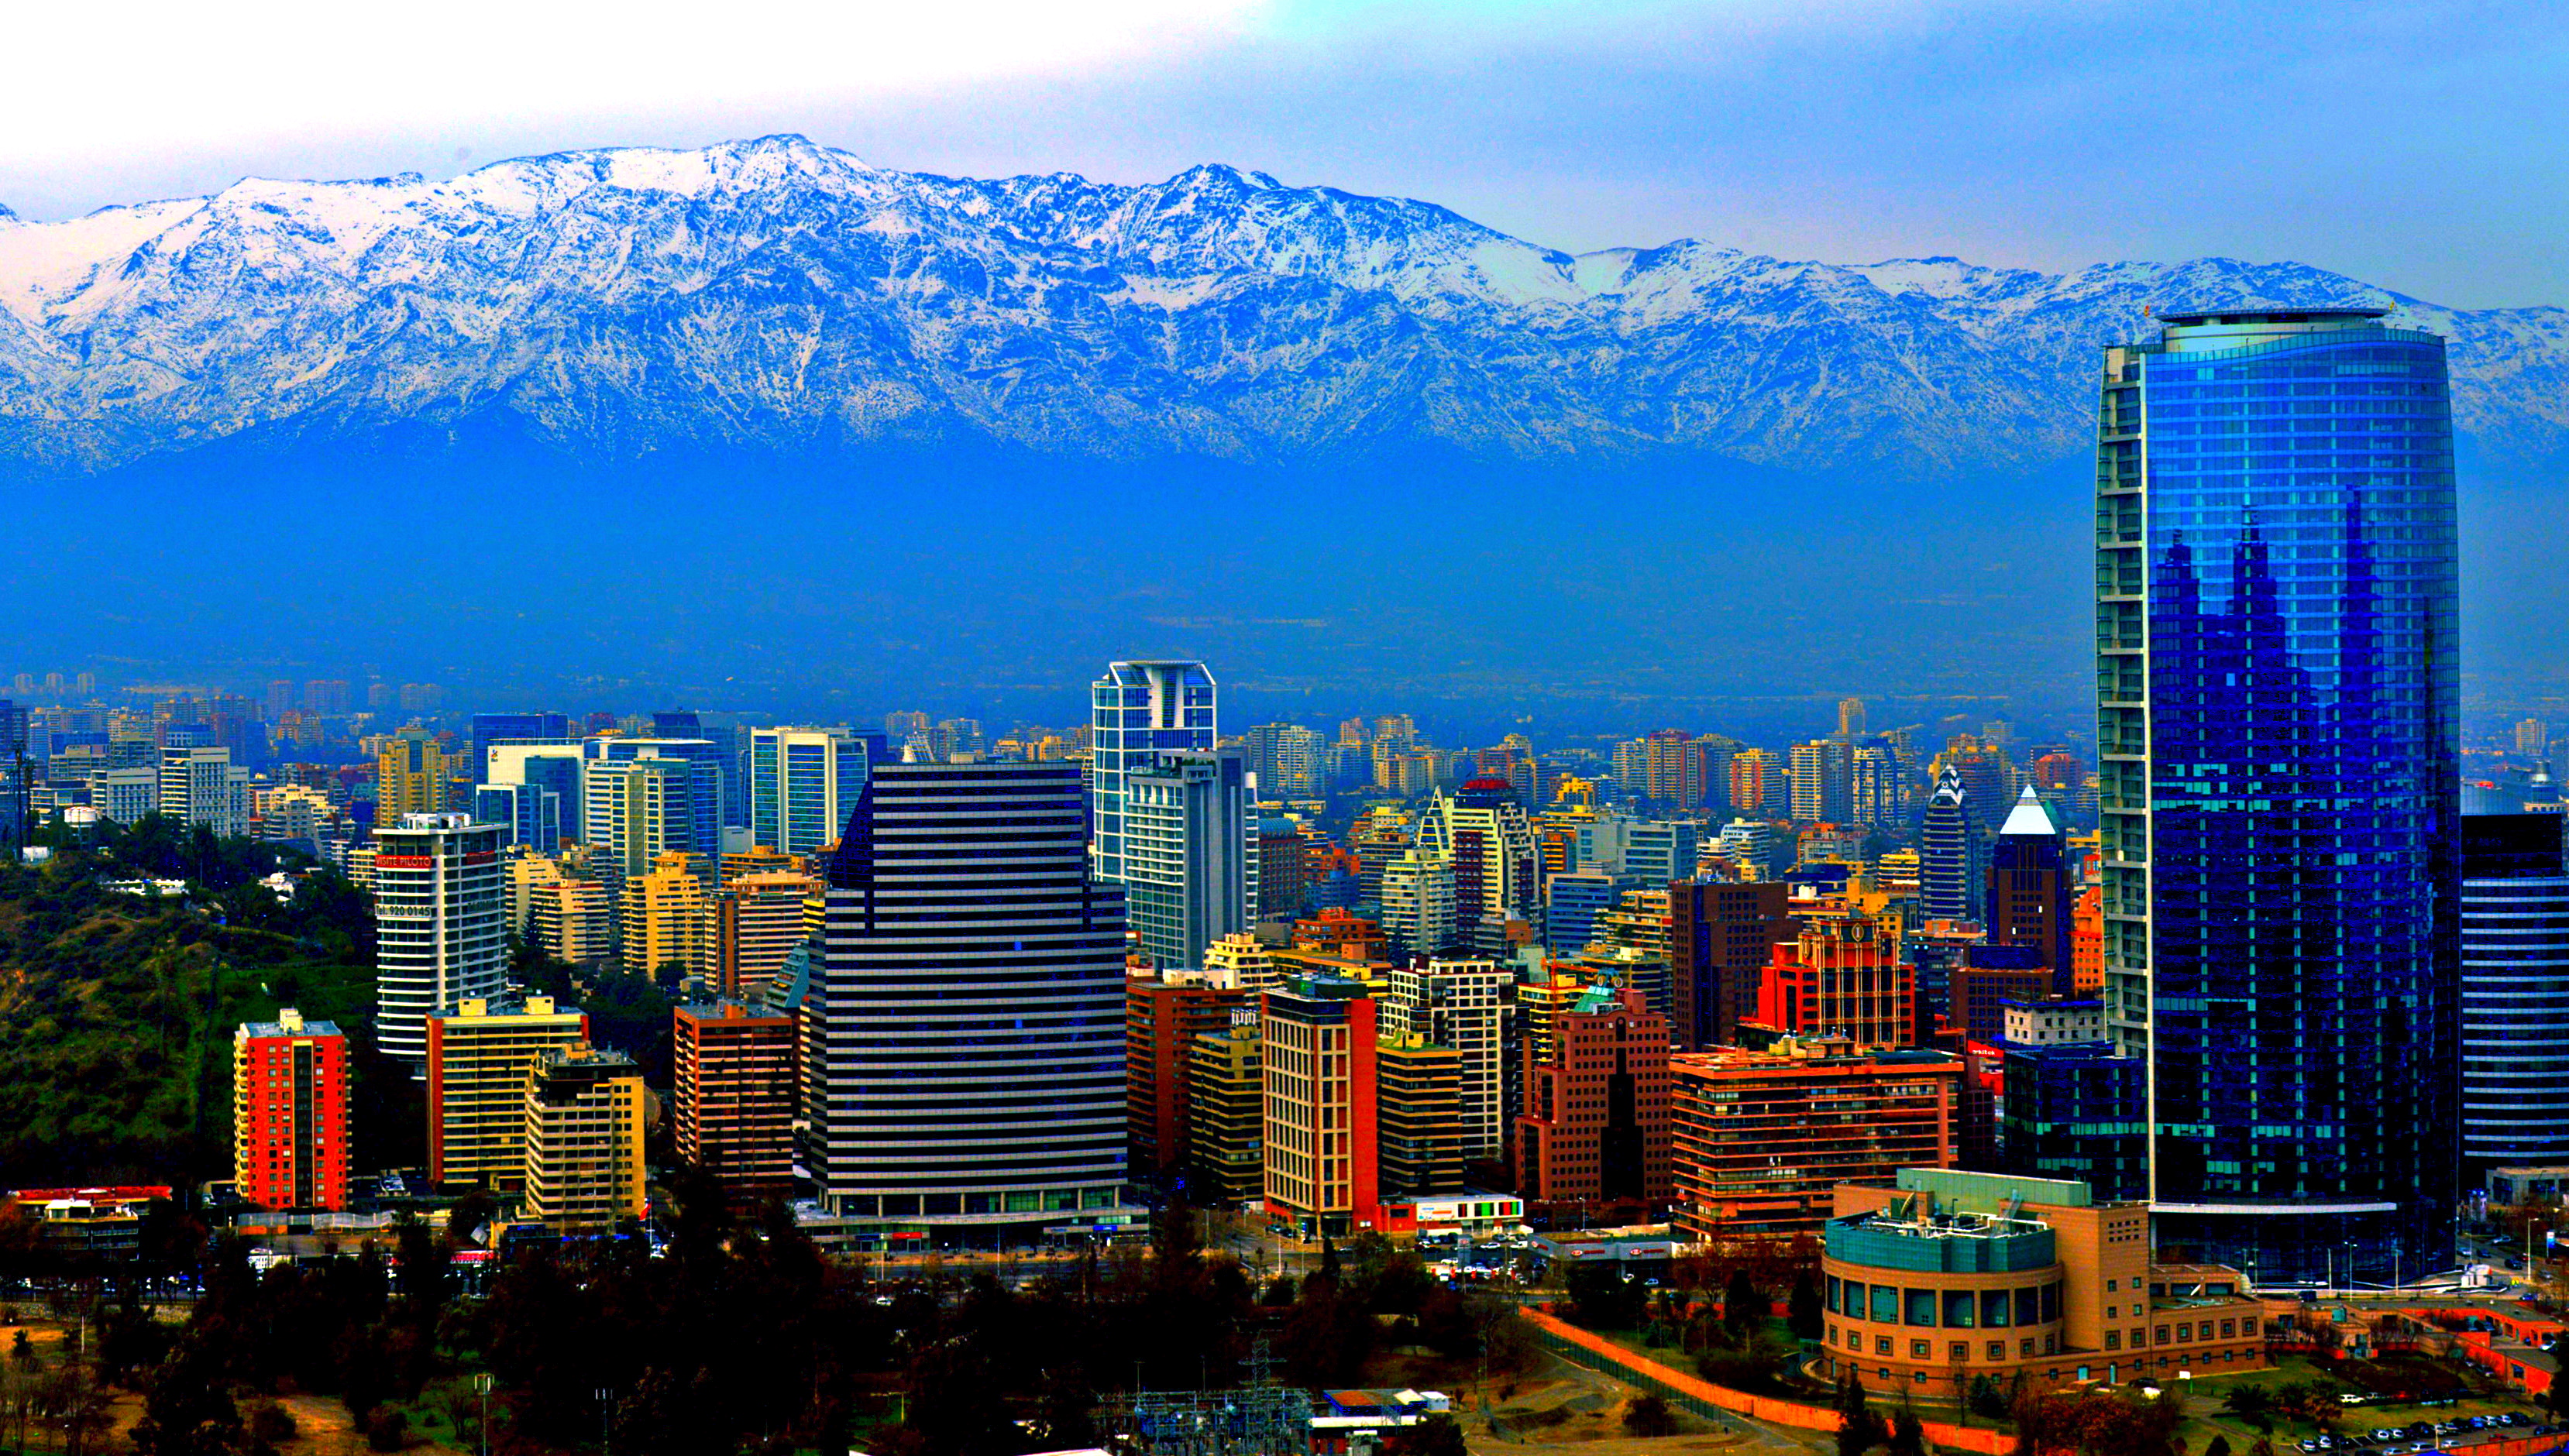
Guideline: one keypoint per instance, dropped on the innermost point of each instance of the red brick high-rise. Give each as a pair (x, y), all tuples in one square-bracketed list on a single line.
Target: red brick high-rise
[(1721, 937), (1595, 1128), (1162, 1019)]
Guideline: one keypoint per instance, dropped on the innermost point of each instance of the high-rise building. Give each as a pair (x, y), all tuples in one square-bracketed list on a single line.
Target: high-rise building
[(701, 822), (1721, 937), (549, 769), (1758, 784), (1227, 1112), (2277, 703), (1850, 718), (480, 1055), (668, 918), (1573, 899), (1190, 854), (1822, 773), (735, 1097), (1484, 835), (2031, 896), (2516, 992), (1284, 870), (441, 923), (290, 1113), (1418, 900), (1461, 1005), (1677, 768), (1762, 1139), (1659, 853), (412, 772), (964, 1047), (803, 781), (1286, 760), (1595, 1128), (637, 809), (202, 786), (582, 1112), (1418, 1133), (1878, 787), (758, 920), (1842, 977), (1948, 853), (2532, 739), (1163, 1016), (1323, 1166), (1137, 712), (530, 813), (490, 729)]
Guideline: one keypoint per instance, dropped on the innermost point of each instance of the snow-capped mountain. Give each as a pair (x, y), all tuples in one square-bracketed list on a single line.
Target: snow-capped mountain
[(777, 294)]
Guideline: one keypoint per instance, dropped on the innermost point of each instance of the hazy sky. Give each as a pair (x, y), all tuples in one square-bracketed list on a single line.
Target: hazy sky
[(2421, 145)]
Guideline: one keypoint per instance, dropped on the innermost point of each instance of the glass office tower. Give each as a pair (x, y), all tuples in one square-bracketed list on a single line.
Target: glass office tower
[(2276, 704), (1137, 712)]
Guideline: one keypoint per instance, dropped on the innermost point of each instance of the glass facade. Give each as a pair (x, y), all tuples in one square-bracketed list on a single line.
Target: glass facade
[(2276, 709), (1137, 712), (2516, 992)]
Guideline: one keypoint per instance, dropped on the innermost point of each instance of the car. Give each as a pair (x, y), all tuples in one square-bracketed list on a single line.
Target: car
[(2311, 1445), (2421, 1428), (2386, 1433), (2514, 1418)]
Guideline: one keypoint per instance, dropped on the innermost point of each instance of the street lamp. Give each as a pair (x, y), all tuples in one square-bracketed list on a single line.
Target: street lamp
[(606, 1435), (481, 1383)]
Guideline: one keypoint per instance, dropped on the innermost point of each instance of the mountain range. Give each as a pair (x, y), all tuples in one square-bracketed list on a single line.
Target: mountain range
[(764, 425), (776, 294)]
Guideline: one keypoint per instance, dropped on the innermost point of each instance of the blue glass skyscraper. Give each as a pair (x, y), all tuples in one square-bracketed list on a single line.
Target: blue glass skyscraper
[(2277, 696)]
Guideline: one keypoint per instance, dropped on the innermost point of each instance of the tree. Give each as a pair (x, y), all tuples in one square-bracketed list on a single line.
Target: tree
[(1647, 1416), (1744, 1305), (1860, 1427), (1439, 1435), (2219, 1446), (1600, 1297), (1908, 1436), (1803, 1309), (1987, 1400), (189, 1410)]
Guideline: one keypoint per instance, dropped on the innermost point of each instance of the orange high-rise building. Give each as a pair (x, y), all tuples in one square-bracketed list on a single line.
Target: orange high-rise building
[(736, 1094), (1842, 977), (1162, 1019), (1762, 1139)]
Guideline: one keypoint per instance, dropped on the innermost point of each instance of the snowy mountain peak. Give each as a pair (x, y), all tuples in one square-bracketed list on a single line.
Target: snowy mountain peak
[(777, 294)]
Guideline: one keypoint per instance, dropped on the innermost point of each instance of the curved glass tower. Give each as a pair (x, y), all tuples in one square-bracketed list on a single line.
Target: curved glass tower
[(2277, 700)]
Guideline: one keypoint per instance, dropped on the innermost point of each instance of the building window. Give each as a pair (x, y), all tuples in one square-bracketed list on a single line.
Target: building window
[(2229, 1328), (1920, 1350), (2163, 1334), (1882, 1346), (2113, 1340), (1998, 1349)]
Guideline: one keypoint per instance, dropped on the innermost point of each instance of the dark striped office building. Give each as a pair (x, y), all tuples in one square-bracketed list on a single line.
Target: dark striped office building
[(964, 1028)]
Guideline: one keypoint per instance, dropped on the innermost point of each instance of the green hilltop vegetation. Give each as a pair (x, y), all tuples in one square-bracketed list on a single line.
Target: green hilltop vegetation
[(117, 1011)]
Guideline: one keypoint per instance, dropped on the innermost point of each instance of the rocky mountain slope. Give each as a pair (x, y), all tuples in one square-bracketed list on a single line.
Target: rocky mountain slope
[(778, 294)]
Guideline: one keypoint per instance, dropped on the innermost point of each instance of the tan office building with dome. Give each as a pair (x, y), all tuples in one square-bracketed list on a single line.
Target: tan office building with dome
[(1942, 1277)]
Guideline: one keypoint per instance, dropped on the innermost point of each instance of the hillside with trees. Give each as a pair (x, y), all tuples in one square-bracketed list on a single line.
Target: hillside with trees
[(116, 1010)]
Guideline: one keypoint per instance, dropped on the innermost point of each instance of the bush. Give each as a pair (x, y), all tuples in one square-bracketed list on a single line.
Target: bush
[(1648, 1415), (387, 1430), (272, 1424)]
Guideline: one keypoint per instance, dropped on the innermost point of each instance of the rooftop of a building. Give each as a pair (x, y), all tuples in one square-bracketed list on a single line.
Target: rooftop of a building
[(474, 1009), (731, 1011), (288, 1022)]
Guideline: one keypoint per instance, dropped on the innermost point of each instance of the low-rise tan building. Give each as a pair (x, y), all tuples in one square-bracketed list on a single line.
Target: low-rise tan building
[(1941, 1277)]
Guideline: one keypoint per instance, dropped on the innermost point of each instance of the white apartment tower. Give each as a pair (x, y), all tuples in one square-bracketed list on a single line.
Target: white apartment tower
[(441, 923)]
